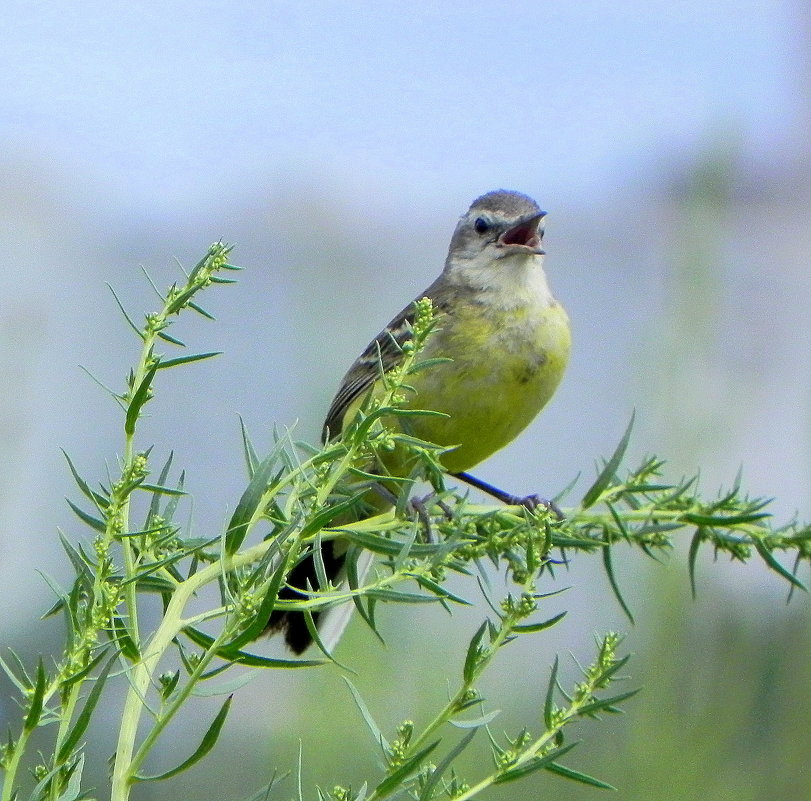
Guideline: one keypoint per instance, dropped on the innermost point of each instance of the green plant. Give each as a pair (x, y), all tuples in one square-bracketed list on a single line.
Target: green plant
[(290, 503)]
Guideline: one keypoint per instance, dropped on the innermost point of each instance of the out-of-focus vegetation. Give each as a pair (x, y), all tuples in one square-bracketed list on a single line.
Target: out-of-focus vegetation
[(721, 713)]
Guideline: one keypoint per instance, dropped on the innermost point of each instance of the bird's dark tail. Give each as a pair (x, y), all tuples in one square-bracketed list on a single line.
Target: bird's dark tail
[(303, 575)]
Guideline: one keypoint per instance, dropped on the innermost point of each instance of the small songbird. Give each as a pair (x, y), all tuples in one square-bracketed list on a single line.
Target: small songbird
[(507, 340)]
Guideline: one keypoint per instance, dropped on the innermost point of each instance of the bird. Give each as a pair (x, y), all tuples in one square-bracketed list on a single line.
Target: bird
[(503, 342)]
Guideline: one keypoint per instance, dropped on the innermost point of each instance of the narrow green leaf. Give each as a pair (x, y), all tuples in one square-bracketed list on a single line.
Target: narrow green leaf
[(619, 522), (248, 504), (450, 758), (81, 564), (353, 556), (114, 395), (37, 698), (609, 569), (259, 623), (384, 546), (195, 357), (23, 685), (152, 284), (722, 520), (214, 250), (224, 687), (396, 596), (154, 506), (405, 548), (614, 668), (769, 559), (549, 701), (99, 500), (138, 400), (38, 793), (576, 775), (83, 719), (396, 411), (476, 723), (160, 490), (200, 310), (246, 658), (530, 766), (797, 562), (695, 542), (427, 363), (166, 338), (609, 471), (316, 635), (318, 563), (171, 504), (73, 789), (298, 773), (57, 591), (152, 567), (473, 656), (530, 628), (367, 717), (395, 779), (605, 703), (330, 513), (124, 312), (206, 744), (487, 590), (251, 459), (91, 521), (356, 472), (122, 638), (263, 793), (438, 589)]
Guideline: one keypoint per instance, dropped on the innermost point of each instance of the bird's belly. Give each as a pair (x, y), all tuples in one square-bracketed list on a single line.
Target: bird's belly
[(503, 374)]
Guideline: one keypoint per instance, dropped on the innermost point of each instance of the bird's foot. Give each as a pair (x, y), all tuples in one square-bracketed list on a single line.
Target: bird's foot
[(533, 502), (420, 506)]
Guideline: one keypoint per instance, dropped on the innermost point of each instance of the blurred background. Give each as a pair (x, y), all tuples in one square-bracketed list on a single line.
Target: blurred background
[(336, 144)]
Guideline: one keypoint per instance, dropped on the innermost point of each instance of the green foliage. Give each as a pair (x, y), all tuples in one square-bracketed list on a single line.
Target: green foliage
[(292, 503)]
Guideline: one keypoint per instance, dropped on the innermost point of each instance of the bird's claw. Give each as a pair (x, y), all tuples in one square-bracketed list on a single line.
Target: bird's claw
[(533, 502), (420, 506)]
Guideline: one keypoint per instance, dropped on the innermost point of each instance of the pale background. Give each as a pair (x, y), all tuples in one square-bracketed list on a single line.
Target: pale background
[(336, 144)]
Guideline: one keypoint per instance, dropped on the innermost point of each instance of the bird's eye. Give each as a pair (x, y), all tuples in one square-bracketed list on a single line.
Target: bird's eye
[(481, 225)]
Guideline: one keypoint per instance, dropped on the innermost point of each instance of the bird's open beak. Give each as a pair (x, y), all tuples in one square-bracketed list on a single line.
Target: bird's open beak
[(524, 236)]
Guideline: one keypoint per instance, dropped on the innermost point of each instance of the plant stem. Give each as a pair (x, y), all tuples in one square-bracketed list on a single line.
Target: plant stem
[(65, 719), (142, 673), (9, 790)]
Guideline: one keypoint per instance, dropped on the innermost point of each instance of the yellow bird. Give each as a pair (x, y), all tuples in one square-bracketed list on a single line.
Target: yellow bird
[(508, 342)]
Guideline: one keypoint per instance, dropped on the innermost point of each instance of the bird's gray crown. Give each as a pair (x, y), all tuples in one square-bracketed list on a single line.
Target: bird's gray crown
[(505, 203)]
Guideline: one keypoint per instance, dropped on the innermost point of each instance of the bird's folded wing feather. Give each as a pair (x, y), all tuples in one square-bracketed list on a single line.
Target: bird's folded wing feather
[(382, 354)]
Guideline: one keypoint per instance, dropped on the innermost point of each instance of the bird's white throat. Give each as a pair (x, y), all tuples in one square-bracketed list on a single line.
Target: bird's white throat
[(511, 282)]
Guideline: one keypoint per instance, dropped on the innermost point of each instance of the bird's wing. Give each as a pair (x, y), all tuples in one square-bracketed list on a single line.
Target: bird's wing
[(383, 352)]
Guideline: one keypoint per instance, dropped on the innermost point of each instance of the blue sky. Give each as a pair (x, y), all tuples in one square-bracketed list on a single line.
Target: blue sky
[(160, 102)]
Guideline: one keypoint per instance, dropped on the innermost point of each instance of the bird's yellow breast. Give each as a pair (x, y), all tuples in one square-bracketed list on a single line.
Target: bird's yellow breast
[(506, 366)]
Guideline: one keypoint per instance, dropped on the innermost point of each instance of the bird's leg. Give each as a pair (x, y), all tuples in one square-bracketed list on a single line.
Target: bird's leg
[(530, 502), (419, 505)]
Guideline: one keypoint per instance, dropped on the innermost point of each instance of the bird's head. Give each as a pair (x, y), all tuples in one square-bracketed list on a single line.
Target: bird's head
[(498, 225)]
